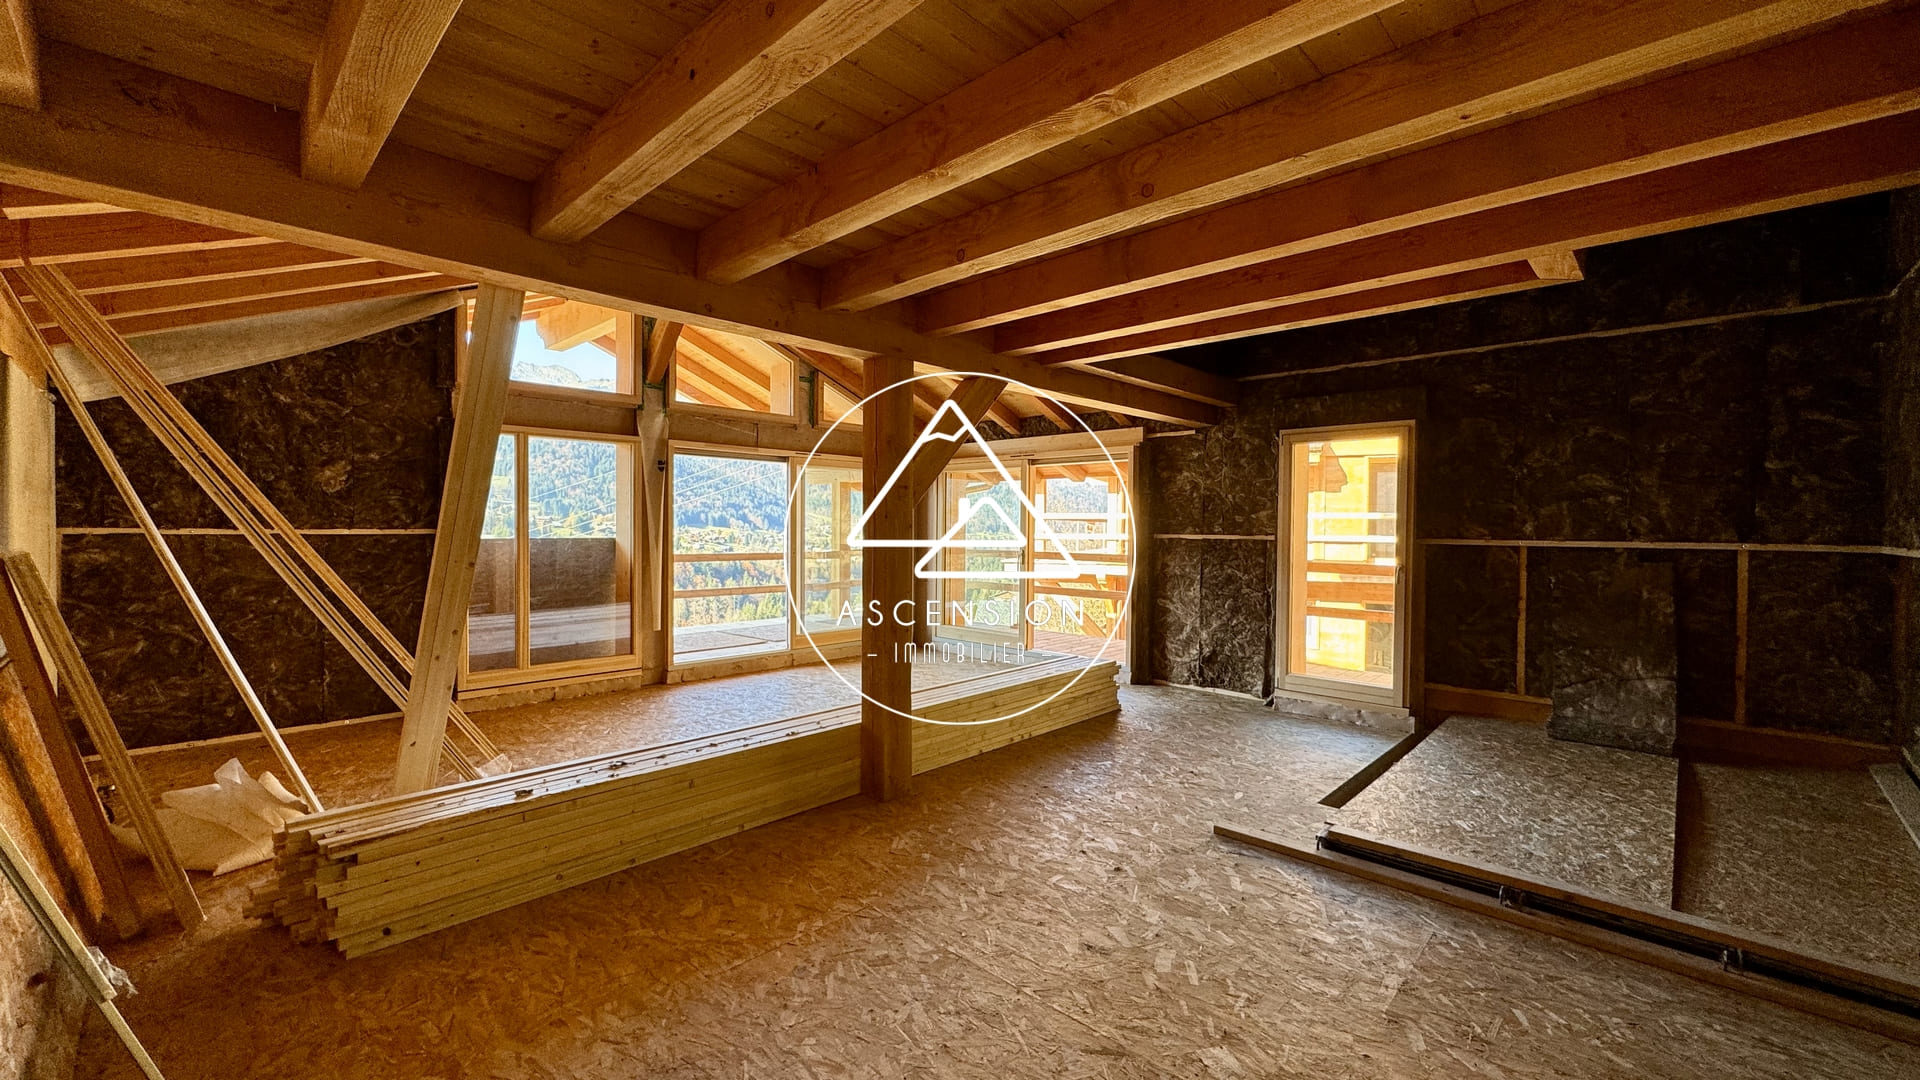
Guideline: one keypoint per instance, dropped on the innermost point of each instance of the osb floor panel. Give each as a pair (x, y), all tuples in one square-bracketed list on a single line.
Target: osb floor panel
[(1055, 909), (1815, 856), (1505, 793)]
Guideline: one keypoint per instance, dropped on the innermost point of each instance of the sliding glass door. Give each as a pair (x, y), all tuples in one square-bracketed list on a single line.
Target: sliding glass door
[(730, 544), (553, 584)]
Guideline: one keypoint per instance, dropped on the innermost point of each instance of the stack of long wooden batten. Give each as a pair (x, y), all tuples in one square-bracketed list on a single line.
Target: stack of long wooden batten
[(324, 592), (374, 875)]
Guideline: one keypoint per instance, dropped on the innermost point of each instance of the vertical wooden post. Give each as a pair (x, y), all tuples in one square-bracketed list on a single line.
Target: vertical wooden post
[(886, 676), (1520, 630), (1741, 560), (1139, 568), (480, 403)]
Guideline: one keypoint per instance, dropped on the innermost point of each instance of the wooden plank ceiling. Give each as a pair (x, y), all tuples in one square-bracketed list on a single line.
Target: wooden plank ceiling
[(1055, 191)]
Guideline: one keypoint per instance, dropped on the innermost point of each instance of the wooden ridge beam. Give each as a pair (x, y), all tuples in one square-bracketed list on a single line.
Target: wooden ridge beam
[(1517, 60), (371, 56), (119, 133), (480, 404), (133, 325), (1859, 71), (107, 236), (1873, 156), (19, 55), (743, 59), (159, 299), (1123, 58), (1113, 353)]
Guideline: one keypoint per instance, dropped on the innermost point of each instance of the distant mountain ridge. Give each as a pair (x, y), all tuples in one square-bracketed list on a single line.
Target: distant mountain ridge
[(556, 375)]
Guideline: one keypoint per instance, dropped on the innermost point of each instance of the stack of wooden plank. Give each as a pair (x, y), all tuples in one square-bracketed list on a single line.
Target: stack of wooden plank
[(370, 876)]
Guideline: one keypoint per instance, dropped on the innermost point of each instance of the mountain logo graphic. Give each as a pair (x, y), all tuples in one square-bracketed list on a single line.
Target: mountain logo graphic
[(1060, 565)]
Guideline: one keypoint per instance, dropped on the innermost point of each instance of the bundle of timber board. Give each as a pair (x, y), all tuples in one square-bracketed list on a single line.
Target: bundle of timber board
[(370, 876)]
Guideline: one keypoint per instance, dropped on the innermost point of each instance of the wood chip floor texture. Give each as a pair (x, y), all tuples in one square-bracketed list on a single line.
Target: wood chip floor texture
[(1815, 856), (1506, 793), (1055, 909)]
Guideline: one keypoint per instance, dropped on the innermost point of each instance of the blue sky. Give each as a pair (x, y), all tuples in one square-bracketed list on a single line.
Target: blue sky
[(585, 360)]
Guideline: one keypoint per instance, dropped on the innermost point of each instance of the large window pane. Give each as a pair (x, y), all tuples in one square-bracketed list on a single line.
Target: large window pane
[(729, 371), (729, 556), (1084, 505), (579, 567), (494, 603), (833, 504), (577, 346), (981, 590)]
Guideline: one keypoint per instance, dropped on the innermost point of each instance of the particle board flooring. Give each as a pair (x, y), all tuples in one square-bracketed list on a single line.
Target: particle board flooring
[(1505, 793), (1055, 909), (1815, 856)]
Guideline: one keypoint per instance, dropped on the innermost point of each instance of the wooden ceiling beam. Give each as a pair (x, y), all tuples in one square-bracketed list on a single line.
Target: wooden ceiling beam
[(19, 55), (1515, 61), (1856, 72), (724, 369), (146, 301), (131, 325), (742, 60), (198, 265), (108, 236), (661, 345), (1873, 156), (1115, 355), (1174, 376), (563, 326), (689, 370), (156, 143), (25, 204), (371, 56), (1127, 56)]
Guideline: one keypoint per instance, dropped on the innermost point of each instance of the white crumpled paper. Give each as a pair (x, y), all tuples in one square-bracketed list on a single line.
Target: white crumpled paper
[(224, 826)]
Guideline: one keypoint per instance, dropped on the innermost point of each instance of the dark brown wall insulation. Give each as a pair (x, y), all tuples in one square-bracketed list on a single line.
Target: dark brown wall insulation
[(1903, 448), (1724, 384), (350, 442)]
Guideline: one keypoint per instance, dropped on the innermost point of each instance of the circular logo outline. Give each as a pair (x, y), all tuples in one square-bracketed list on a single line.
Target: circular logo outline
[(1133, 547)]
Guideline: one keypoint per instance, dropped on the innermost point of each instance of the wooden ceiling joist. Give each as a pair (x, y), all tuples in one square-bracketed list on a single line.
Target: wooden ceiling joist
[(1873, 156), (130, 325), (19, 55), (1125, 57), (1517, 60), (1116, 356), (1856, 72), (693, 371), (72, 239), (371, 56), (723, 370), (199, 265), (145, 301), (743, 59), (107, 124), (563, 326), (25, 204)]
